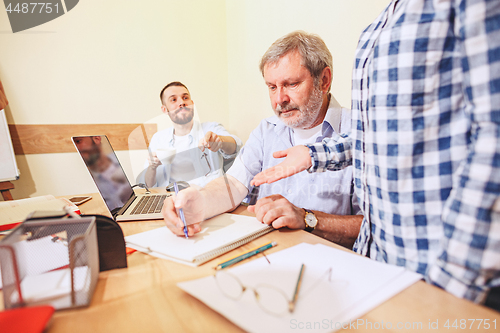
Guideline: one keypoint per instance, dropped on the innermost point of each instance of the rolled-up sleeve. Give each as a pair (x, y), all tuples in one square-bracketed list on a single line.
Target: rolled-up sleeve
[(333, 153)]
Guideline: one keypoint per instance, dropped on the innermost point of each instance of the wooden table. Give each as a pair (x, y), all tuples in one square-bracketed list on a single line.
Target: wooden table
[(144, 297)]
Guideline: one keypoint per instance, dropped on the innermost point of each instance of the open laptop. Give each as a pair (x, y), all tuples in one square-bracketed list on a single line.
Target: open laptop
[(112, 183)]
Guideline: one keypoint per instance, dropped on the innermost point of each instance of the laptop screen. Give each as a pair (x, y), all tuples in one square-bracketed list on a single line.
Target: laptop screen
[(106, 170)]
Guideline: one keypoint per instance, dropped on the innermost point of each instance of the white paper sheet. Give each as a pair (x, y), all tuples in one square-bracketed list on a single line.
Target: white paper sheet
[(51, 285), (45, 286), (357, 285)]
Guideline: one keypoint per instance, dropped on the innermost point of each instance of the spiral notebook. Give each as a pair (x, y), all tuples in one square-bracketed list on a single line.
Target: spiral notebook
[(218, 235)]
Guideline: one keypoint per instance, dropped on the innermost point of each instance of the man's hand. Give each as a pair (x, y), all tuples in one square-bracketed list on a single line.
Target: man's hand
[(211, 141), (277, 211), (297, 160), (154, 161), (190, 200), (150, 176)]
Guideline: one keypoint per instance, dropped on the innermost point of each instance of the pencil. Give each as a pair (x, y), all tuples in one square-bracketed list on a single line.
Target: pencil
[(245, 255), (291, 305)]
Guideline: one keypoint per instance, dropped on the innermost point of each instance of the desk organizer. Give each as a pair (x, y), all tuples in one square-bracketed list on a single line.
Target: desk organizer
[(50, 261)]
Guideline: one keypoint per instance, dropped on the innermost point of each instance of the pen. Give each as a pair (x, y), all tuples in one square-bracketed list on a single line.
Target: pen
[(291, 305), (245, 255), (181, 212), (150, 154)]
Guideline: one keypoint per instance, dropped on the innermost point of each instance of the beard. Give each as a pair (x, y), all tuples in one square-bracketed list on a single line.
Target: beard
[(93, 155), (182, 116), (307, 113)]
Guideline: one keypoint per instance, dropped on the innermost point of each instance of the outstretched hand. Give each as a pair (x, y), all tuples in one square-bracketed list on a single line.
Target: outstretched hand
[(211, 141), (154, 161), (297, 160)]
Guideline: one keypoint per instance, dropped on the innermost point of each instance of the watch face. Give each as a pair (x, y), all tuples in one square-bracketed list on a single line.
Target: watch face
[(311, 220)]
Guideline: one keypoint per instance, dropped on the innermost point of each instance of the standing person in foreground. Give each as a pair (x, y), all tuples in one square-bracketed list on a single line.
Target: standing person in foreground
[(426, 143), (197, 149), (297, 71)]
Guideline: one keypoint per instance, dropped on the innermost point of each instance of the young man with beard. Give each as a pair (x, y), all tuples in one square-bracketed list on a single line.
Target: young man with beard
[(297, 71), (200, 148)]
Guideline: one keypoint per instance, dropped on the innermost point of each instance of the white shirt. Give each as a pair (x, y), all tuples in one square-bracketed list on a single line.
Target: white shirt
[(165, 139), (182, 166), (305, 136)]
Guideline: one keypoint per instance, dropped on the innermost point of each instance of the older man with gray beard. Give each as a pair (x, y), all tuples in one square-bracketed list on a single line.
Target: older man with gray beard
[(297, 71)]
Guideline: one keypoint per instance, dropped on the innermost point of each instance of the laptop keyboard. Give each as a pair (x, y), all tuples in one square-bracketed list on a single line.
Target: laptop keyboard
[(149, 204)]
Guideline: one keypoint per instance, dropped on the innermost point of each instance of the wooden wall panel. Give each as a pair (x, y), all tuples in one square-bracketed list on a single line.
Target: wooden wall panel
[(43, 139)]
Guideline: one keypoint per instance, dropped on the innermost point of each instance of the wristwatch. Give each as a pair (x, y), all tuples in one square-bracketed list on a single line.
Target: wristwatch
[(310, 220)]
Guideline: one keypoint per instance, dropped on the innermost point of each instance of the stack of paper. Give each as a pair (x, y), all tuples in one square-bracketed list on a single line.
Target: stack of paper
[(325, 303), (15, 211), (41, 255), (53, 286), (44, 263)]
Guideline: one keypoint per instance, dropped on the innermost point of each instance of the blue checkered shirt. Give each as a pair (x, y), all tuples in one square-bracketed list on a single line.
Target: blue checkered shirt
[(425, 143)]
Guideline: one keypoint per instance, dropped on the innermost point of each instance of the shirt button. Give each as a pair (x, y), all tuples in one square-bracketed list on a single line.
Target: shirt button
[(289, 191)]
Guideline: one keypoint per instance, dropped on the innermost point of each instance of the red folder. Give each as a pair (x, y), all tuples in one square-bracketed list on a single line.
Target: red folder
[(25, 320)]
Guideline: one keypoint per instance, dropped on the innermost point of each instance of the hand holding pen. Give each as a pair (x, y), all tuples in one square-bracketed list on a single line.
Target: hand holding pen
[(153, 160), (189, 200)]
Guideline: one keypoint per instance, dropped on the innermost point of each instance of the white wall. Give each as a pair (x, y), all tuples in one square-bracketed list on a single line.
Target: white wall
[(253, 25), (106, 61)]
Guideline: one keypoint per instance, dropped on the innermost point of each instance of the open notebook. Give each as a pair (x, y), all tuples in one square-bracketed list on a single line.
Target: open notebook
[(218, 235)]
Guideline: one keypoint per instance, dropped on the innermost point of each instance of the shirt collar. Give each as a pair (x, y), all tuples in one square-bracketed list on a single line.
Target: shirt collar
[(192, 134), (333, 116)]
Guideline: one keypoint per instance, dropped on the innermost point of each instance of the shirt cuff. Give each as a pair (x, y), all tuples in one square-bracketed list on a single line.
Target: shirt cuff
[(228, 156), (236, 151), (320, 156)]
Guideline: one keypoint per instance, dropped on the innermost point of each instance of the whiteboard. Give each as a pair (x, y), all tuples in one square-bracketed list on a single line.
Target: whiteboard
[(8, 165)]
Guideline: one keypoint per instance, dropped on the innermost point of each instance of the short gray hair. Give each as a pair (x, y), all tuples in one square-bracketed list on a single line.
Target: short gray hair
[(315, 54)]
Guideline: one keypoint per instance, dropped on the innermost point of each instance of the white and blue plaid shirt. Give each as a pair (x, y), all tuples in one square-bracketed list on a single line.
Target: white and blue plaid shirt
[(426, 141)]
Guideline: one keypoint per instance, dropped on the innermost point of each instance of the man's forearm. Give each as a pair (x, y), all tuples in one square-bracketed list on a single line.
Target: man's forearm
[(150, 177), (340, 229), (222, 195)]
